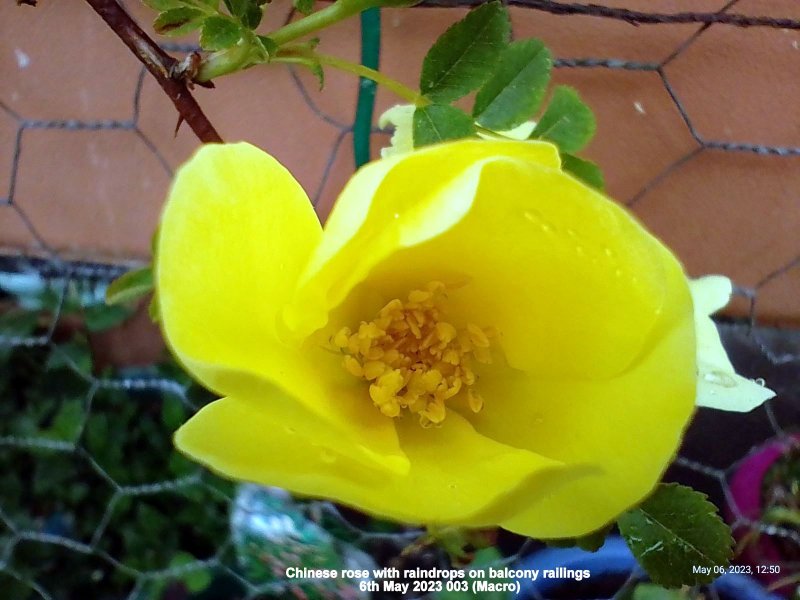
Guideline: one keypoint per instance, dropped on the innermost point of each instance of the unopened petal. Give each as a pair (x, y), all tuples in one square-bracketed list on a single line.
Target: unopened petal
[(401, 118), (718, 384)]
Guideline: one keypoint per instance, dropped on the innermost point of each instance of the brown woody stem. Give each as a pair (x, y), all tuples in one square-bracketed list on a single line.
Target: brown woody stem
[(161, 65)]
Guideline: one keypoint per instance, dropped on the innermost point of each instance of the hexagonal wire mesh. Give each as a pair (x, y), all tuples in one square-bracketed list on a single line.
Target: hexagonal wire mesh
[(708, 459)]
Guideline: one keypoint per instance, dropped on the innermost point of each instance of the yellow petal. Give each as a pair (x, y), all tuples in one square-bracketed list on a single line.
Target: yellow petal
[(456, 475), (718, 384), (628, 427), (236, 231), (392, 204), (572, 283)]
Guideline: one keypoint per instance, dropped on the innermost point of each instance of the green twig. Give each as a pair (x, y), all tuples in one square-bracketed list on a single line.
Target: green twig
[(306, 56), (319, 20)]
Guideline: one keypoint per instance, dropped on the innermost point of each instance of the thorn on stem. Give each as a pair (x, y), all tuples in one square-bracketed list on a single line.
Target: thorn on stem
[(186, 71), (178, 124)]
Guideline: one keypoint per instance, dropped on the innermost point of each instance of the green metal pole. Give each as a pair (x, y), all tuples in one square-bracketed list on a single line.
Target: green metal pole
[(370, 57)]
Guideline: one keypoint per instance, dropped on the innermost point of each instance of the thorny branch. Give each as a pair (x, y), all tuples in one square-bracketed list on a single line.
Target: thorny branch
[(166, 70), (634, 17)]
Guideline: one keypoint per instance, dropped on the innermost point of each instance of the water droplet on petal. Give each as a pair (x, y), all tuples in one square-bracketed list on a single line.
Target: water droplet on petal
[(720, 378), (534, 216)]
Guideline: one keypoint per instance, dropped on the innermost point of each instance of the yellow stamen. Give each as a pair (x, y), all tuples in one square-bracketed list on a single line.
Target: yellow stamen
[(413, 358), (353, 366)]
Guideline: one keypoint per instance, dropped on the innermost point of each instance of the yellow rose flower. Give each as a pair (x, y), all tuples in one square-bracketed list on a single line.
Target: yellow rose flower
[(475, 337)]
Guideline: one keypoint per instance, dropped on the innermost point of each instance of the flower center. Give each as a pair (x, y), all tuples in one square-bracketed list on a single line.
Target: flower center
[(413, 358)]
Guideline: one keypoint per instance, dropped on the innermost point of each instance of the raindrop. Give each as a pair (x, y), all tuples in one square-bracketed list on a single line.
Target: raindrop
[(533, 216), (720, 378)]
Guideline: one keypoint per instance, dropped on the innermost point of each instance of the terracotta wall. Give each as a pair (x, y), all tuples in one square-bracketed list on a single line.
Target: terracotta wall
[(90, 185)]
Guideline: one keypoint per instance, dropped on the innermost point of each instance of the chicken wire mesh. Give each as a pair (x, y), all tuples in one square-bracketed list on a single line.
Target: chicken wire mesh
[(88, 467)]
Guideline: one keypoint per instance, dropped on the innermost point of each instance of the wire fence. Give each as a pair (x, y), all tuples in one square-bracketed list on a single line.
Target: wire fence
[(95, 503)]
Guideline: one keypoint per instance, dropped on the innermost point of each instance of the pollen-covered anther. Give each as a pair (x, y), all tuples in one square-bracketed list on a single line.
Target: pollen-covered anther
[(414, 359)]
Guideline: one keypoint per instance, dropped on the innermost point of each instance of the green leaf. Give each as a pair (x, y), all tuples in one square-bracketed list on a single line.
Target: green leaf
[(101, 317), (252, 16), (162, 5), (219, 33), (270, 47), (173, 413), (484, 558), (591, 542), (154, 309), (781, 515), (304, 6), (130, 286), (178, 21), (74, 355), (516, 89), (648, 591), (196, 580), (315, 67), (585, 170), (18, 323), (439, 122), (677, 536), (567, 121), (249, 12), (318, 72), (68, 421), (452, 539), (465, 55)]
